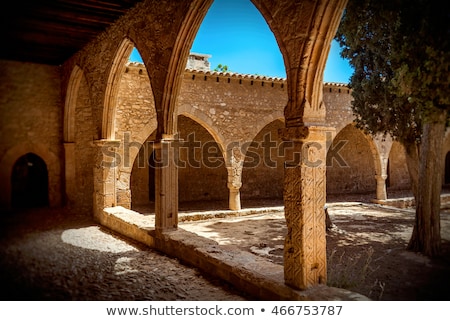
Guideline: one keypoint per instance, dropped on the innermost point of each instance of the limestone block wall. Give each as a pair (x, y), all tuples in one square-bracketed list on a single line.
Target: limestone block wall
[(135, 121), (228, 109), (30, 122), (337, 99), (398, 176), (263, 172), (352, 170), (84, 152), (236, 107), (202, 174)]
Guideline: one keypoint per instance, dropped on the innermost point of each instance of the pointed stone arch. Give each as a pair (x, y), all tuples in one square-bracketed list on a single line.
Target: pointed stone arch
[(29, 182), (398, 170), (53, 168), (202, 172), (71, 102), (177, 66), (112, 87), (342, 157), (206, 122), (263, 166), (305, 54)]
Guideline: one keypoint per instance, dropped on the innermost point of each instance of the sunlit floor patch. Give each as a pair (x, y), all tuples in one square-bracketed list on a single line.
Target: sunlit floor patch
[(123, 266), (93, 238)]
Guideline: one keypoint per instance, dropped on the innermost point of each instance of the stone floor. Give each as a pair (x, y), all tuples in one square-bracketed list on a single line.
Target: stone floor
[(366, 249), (56, 255), (59, 255)]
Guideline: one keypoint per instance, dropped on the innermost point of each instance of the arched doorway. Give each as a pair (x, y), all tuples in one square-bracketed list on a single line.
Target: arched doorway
[(29, 182)]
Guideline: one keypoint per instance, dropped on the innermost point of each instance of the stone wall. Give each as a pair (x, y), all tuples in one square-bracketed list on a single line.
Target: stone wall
[(237, 109), (224, 108), (337, 99), (263, 172), (30, 122), (398, 176), (84, 152), (352, 170)]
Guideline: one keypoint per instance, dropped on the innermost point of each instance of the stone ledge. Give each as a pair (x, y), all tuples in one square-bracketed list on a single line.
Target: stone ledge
[(130, 224), (250, 273), (409, 202), (207, 215)]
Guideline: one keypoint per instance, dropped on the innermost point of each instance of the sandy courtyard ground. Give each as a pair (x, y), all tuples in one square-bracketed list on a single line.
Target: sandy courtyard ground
[(54, 255), (365, 249)]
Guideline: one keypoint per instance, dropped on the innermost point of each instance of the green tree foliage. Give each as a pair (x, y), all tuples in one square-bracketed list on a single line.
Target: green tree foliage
[(221, 68), (400, 50)]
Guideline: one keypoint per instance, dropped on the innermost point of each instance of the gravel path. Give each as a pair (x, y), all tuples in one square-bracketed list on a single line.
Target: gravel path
[(52, 255)]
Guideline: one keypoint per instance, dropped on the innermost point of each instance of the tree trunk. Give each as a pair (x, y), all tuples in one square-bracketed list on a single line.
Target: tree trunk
[(426, 236)]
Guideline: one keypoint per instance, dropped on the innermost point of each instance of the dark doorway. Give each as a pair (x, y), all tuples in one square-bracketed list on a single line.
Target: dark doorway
[(447, 169), (151, 177), (29, 182)]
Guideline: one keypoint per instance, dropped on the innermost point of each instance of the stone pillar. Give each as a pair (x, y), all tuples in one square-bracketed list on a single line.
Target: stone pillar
[(381, 187), (234, 185), (166, 184), (305, 261), (123, 191), (69, 173), (105, 164), (234, 162)]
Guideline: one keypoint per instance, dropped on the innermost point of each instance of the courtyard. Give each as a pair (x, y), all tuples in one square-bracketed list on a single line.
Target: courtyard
[(52, 254)]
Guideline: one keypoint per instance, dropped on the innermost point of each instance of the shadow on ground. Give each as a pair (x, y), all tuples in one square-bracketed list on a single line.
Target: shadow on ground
[(365, 249)]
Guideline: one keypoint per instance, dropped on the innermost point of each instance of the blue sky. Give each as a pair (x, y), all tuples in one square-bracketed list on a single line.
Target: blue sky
[(235, 34)]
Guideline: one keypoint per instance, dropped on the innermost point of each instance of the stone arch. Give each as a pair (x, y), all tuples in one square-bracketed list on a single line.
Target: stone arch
[(138, 176), (112, 87), (167, 120), (79, 134), (206, 122), (276, 115), (352, 163), (305, 56), (263, 168), (29, 182), (398, 170), (202, 174), (70, 103), (53, 168), (134, 121)]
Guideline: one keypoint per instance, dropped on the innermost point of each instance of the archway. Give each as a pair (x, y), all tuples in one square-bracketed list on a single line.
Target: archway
[(263, 171), (202, 174), (398, 170), (350, 164), (142, 178), (29, 182)]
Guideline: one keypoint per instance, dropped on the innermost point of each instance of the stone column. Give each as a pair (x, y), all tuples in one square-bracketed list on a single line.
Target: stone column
[(105, 164), (234, 185), (381, 187), (234, 162), (305, 262), (69, 173), (123, 191), (166, 184)]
